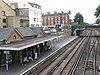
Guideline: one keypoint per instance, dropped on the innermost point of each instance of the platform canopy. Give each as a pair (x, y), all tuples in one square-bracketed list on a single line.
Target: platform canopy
[(17, 46)]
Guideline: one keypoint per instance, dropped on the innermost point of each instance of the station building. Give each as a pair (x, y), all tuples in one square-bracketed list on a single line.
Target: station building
[(19, 43)]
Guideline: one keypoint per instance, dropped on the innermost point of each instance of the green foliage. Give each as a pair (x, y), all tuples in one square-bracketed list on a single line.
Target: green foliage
[(1, 42), (97, 13), (66, 26), (98, 21), (78, 18)]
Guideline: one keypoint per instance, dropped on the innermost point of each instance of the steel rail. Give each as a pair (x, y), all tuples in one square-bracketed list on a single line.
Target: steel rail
[(94, 59), (95, 53), (88, 55), (58, 61), (74, 66), (66, 62)]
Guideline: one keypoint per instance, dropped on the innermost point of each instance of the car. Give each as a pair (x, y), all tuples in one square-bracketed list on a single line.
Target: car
[(47, 31), (53, 30)]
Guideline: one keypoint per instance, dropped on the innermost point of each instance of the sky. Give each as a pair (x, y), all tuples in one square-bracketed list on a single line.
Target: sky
[(86, 7)]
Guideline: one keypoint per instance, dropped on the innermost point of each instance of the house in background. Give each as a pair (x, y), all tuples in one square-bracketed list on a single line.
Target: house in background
[(30, 10), (5, 10), (17, 21), (23, 14), (56, 18), (9, 17), (21, 19)]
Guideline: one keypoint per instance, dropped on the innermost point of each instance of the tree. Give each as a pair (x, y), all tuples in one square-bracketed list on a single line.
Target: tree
[(97, 13), (98, 21), (66, 26), (79, 18)]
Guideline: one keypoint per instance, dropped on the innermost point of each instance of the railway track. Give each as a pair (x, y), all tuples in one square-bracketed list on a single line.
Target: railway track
[(88, 65), (51, 67), (68, 66), (70, 61), (76, 58), (48, 60), (97, 53), (55, 68), (89, 58), (90, 32)]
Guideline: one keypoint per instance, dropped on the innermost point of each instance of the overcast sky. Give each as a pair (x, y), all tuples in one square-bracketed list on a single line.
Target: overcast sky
[(85, 7)]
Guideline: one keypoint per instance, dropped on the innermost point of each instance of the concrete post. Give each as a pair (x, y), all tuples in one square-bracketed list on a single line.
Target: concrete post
[(21, 58), (7, 67)]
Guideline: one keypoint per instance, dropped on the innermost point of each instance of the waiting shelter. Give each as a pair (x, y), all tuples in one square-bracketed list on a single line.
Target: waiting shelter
[(15, 52)]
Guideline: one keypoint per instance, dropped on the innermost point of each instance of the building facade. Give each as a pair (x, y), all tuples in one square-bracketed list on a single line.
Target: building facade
[(55, 19), (33, 12), (16, 21), (5, 10), (11, 16)]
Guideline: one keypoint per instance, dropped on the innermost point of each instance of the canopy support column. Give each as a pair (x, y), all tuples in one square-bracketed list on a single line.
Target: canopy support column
[(7, 67)]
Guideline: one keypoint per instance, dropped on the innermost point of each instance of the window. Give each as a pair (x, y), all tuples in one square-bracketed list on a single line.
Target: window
[(4, 20), (3, 13), (4, 26), (35, 6), (14, 36), (40, 8), (21, 20), (23, 5), (51, 18), (34, 19), (32, 25)]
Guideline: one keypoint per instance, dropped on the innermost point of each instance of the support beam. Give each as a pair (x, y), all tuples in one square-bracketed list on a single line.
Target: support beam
[(20, 57), (7, 67)]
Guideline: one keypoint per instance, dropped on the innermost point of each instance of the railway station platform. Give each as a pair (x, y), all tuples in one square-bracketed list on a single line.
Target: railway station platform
[(17, 69)]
